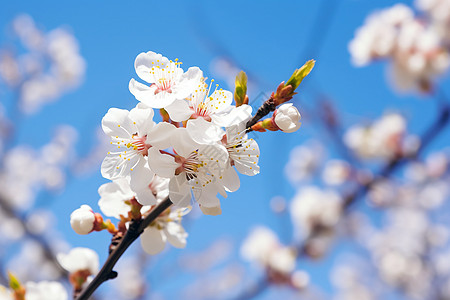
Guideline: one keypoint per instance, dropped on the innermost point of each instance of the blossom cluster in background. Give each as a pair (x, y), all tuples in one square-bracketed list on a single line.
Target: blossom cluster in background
[(418, 46), (43, 67), (359, 214)]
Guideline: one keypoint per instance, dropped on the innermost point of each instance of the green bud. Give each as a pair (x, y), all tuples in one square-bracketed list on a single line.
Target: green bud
[(14, 283), (240, 90), (301, 73)]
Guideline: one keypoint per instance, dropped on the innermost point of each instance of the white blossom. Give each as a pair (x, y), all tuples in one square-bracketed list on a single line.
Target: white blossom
[(415, 47), (82, 220), (167, 79), (79, 259), (382, 139), (313, 207), (166, 228), (194, 168), (45, 290), (263, 247), (287, 118), (208, 112)]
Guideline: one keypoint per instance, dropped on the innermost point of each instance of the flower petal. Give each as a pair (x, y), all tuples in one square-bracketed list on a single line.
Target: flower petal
[(204, 132), (144, 63), (162, 164), (182, 142), (140, 180), (235, 116), (189, 81), (179, 110), (176, 235), (230, 179), (246, 160), (180, 191), (113, 196), (113, 120), (211, 211), (115, 166), (153, 240), (148, 96), (160, 135), (142, 117)]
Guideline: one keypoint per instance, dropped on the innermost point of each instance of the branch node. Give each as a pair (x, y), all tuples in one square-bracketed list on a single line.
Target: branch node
[(112, 275)]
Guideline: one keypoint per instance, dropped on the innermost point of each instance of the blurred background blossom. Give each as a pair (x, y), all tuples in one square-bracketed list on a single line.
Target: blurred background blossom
[(351, 206)]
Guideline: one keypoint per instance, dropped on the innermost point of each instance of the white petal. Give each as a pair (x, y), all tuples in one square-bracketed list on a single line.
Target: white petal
[(236, 115), (162, 164), (204, 132), (111, 121), (219, 101), (82, 219), (180, 191), (211, 211), (179, 110), (175, 234), (144, 63), (160, 135), (182, 142), (140, 180), (208, 196), (230, 179), (114, 166), (113, 196), (79, 259), (153, 240), (146, 94), (246, 160), (189, 81), (142, 117)]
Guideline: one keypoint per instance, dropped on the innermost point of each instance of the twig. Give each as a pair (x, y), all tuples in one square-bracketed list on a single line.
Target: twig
[(267, 107), (134, 231)]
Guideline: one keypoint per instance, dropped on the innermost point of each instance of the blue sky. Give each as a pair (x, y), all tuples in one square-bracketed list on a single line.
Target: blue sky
[(268, 39)]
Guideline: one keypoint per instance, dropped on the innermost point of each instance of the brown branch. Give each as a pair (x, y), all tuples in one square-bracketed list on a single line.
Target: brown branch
[(267, 107), (134, 231)]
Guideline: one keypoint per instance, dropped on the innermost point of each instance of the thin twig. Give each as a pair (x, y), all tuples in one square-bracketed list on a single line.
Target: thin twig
[(134, 231)]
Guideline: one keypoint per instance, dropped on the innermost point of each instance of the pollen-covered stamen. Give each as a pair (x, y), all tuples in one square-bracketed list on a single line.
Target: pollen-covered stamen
[(164, 75), (190, 165), (205, 104), (138, 144)]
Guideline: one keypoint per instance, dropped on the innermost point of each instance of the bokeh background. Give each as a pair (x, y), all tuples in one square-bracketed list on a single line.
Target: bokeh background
[(266, 39)]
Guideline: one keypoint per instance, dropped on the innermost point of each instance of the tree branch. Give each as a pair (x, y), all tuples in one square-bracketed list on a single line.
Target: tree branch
[(134, 231)]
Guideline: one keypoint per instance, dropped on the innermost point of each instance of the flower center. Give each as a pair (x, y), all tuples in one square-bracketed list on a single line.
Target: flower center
[(138, 144), (164, 75), (190, 165)]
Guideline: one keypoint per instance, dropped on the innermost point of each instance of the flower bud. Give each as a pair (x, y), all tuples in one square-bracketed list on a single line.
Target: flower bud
[(82, 220), (287, 118), (299, 74), (79, 259), (240, 91), (286, 91)]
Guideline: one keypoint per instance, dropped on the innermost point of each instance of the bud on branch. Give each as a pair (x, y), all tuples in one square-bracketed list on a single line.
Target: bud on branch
[(240, 90)]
